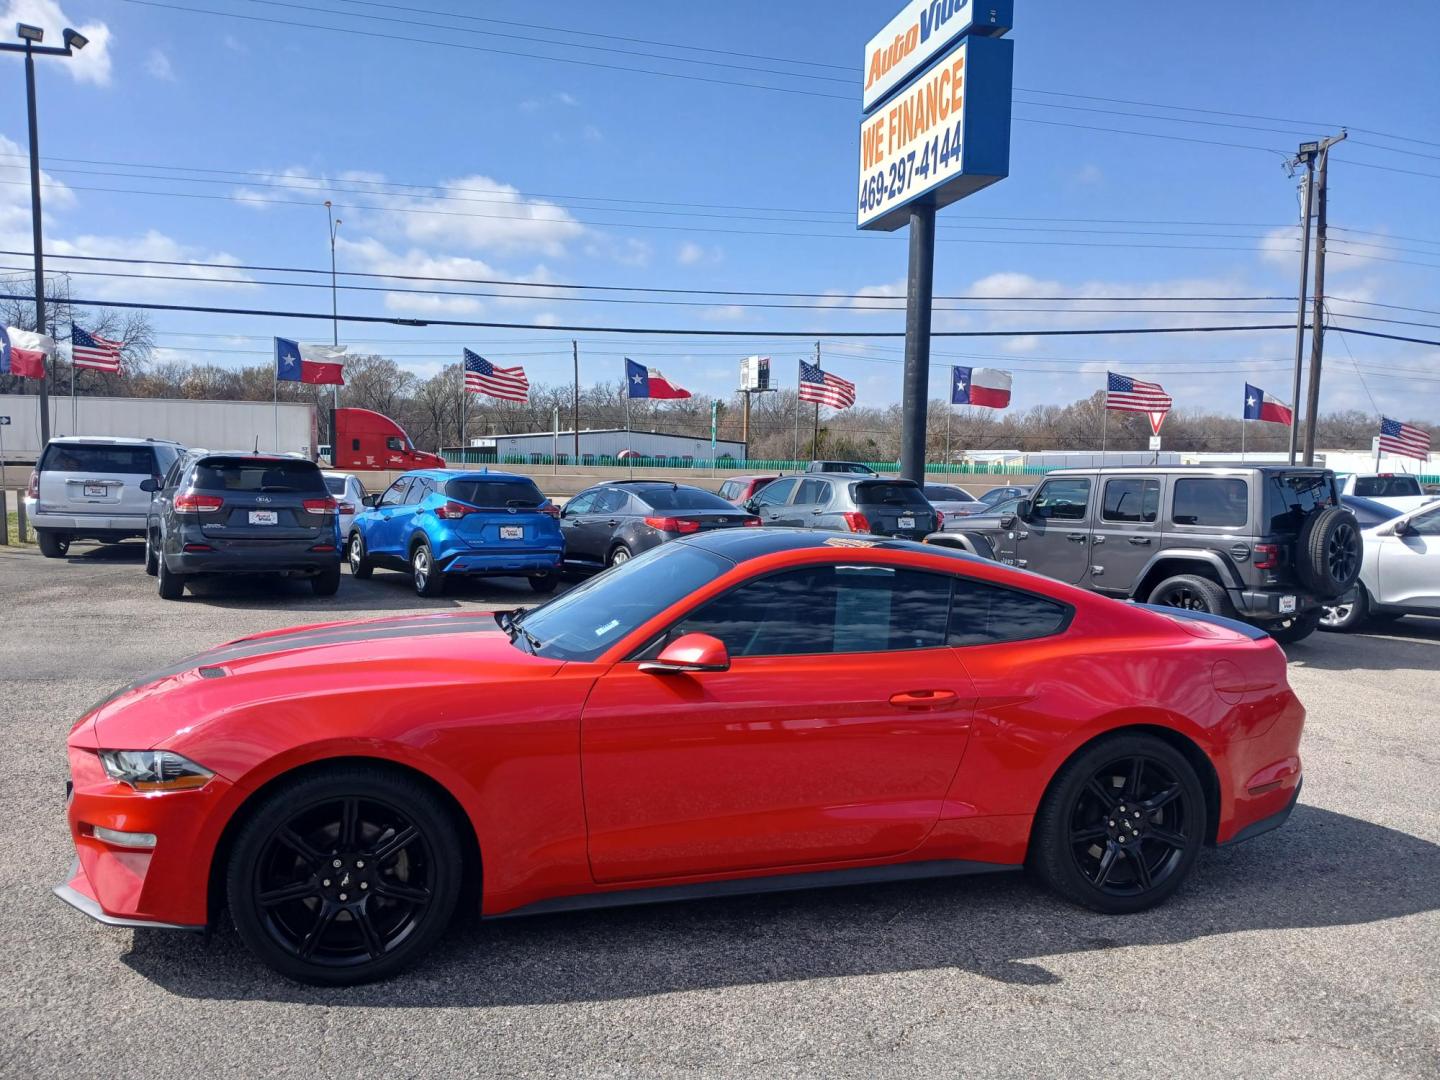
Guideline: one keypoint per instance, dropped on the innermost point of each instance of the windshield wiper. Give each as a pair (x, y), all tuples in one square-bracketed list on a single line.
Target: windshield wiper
[(509, 621)]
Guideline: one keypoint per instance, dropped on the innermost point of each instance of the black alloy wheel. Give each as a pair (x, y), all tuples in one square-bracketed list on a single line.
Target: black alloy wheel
[(1192, 593), (1122, 825), (342, 882)]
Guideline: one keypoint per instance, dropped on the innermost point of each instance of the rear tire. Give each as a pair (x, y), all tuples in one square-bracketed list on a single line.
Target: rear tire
[(428, 579), (1193, 593), (169, 586), (327, 583), (1120, 849), (53, 545), (544, 583), (1289, 631), (1351, 615), (619, 554), (360, 566), (289, 846), (152, 559)]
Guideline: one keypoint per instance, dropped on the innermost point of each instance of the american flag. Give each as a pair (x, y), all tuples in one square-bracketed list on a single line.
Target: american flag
[(1125, 394), (824, 387), (93, 351), (1403, 439), (506, 383)]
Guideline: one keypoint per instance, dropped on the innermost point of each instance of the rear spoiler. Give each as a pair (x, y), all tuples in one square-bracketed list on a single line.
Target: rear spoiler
[(1254, 633)]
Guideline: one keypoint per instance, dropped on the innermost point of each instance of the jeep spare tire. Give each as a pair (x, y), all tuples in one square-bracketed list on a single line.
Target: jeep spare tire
[(1327, 554)]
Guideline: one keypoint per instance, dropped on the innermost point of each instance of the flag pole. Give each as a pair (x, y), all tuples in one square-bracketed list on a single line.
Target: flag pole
[(1243, 424), (630, 452), (464, 408), (74, 413)]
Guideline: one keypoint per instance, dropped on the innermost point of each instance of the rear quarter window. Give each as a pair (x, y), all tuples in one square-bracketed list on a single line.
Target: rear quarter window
[(100, 458), (495, 493), (982, 614), (1292, 497), (250, 474), (1220, 502)]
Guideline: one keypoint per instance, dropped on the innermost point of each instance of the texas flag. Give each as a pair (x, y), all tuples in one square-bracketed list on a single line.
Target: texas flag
[(643, 382), (23, 353), (1262, 406), (985, 386), (319, 364)]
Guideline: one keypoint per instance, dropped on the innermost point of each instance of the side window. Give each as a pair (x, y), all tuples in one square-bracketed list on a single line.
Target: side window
[(1214, 501), (418, 490), (395, 494), (354, 444), (610, 501), (394, 443), (580, 504), (778, 493), (982, 614), (827, 609), (1426, 524), (812, 491), (729, 489), (1131, 500), (1063, 500), (173, 476)]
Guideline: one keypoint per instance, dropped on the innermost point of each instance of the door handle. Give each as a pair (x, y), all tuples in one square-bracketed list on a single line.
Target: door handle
[(1139, 541), (920, 700), (1097, 539), (612, 523), (1022, 535), (1075, 538)]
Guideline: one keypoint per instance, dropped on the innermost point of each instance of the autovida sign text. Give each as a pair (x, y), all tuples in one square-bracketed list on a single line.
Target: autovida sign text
[(916, 35)]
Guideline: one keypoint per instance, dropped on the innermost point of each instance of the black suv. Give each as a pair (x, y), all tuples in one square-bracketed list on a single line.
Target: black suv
[(1267, 544), (238, 513), (846, 503)]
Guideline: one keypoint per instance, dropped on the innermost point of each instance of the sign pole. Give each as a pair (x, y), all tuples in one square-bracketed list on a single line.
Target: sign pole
[(920, 287)]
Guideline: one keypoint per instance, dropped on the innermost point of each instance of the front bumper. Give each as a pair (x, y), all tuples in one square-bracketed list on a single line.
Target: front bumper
[(75, 891)]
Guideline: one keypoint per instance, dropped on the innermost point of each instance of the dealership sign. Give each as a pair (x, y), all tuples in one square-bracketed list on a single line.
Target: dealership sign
[(919, 33), (942, 137)]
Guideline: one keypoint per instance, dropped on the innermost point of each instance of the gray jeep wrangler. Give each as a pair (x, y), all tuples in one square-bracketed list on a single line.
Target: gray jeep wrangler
[(1268, 544)]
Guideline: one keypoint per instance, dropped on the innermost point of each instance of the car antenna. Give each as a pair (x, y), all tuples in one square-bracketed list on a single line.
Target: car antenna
[(257, 444)]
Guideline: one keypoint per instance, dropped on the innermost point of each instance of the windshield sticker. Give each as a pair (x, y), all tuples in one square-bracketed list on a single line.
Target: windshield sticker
[(850, 542), (601, 631)]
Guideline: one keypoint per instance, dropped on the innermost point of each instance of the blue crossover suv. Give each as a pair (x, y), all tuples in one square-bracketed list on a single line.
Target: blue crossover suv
[(436, 523)]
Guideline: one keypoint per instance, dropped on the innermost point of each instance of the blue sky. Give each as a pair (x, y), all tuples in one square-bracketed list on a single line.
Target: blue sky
[(557, 172)]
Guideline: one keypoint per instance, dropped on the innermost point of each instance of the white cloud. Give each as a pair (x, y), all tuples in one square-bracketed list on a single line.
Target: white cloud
[(150, 245), (1281, 247), (234, 44), (1089, 174), (592, 134), (693, 254), (566, 99), (725, 313), (158, 66), (92, 63)]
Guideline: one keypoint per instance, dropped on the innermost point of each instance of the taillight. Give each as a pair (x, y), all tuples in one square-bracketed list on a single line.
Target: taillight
[(673, 524), (1267, 556), (752, 521), (324, 506), (323, 548), (188, 502), (453, 511), (34, 490), (550, 510), (856, 521), (345, 508), (939, 520)]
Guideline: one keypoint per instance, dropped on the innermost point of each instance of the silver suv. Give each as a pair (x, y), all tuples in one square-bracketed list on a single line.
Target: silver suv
[(88, 488), (1267, 544)]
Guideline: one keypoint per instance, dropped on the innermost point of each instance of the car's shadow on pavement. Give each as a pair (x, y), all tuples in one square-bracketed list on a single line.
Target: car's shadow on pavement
[(1406, 644), (1321, 869)]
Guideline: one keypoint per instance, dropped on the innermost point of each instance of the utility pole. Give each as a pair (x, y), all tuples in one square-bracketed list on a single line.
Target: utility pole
[(1305, 157), (575, 399), (335, 329), (1317, 318), (32, 36)]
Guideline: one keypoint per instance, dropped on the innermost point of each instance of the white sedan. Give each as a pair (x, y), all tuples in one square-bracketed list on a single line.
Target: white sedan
[(1400, 569), (349, 492)]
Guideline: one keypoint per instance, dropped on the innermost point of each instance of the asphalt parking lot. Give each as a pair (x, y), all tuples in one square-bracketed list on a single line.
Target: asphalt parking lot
[(1312, 951)]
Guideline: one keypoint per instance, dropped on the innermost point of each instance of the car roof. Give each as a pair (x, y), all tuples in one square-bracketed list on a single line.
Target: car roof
[(114, 440), (1130, 470), (467, 474), (757, 476), (248, 455), (741, 545)]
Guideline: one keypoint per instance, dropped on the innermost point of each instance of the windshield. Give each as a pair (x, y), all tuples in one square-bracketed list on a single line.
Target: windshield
[(584, 622), (1386, 487), (889, 492), (683, 499), (98, 458), (496, 493), (945, 493), (335, 485)]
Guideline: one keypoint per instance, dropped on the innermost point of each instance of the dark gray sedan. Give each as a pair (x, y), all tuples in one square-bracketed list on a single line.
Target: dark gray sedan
[(611, 522)]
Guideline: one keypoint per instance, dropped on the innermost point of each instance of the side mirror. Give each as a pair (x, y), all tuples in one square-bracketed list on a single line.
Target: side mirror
[(1024, 509), (751, 506), (1007, 521), (150, 484), (1403, 528), (372, 500), (689, 652)]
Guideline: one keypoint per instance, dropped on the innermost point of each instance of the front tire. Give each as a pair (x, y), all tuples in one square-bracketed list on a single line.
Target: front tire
[(1343, 616), (360, 565), (53, 545), (1193, 593), (1121, 826), (428, 579), (169, 586), (345, 876)]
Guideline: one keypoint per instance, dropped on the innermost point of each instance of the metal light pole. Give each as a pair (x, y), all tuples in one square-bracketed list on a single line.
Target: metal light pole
[(74, 41), (334, 321)]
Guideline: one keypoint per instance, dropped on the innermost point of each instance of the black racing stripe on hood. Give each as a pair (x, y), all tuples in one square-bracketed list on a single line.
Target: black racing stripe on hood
[(348, 633)]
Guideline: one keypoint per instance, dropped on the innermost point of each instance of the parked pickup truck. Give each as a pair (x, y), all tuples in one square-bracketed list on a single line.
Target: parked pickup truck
[(1399, 491)]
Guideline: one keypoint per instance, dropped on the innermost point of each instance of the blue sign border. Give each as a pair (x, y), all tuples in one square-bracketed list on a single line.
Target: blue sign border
[(998, 19)]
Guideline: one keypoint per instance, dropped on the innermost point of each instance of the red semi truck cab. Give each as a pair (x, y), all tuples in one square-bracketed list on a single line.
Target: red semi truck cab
[(371, 440)]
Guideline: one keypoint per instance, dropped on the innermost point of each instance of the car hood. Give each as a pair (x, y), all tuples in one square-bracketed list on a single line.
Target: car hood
[(328, 658)]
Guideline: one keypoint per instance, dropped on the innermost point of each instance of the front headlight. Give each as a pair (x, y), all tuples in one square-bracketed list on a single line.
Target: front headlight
[(154, 770)]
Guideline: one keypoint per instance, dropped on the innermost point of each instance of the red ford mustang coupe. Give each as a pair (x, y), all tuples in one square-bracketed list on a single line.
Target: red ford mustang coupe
[(735, 711)]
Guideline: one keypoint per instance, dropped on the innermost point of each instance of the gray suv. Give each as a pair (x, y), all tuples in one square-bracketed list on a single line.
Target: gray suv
[(89, 488), (846, 503), (1267, 544)]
